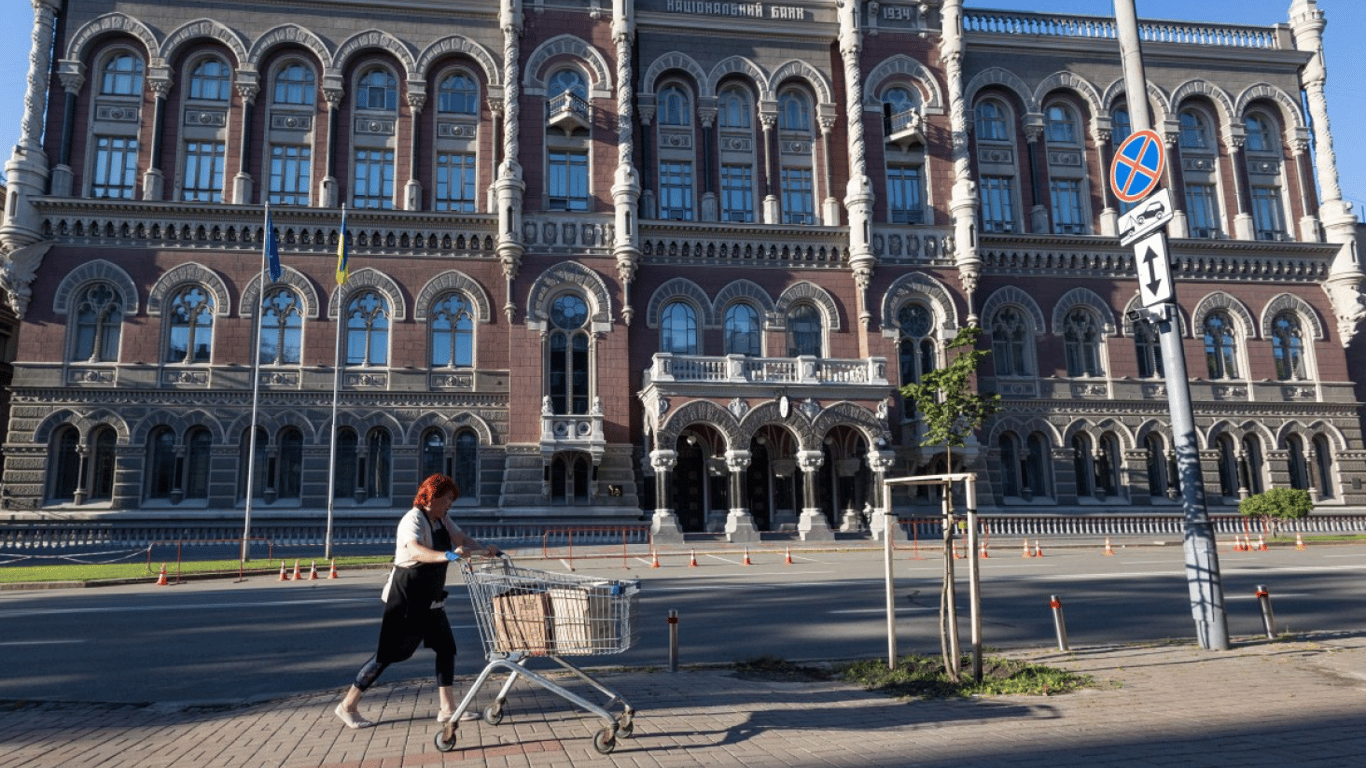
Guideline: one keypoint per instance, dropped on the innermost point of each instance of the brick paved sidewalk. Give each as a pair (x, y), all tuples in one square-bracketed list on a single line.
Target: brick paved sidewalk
[(1297, 703)]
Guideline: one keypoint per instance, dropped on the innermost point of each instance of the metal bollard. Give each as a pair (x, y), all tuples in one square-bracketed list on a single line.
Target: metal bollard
[(1059, 623), (673, 641), (1268, 616)]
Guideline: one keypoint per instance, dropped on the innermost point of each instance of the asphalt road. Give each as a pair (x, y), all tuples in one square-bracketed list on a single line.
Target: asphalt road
[(223, 642)]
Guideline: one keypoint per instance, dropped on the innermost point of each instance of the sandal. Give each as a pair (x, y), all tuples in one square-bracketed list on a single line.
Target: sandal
[(352, 720)]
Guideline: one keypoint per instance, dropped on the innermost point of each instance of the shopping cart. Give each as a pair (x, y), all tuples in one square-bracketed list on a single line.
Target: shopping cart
[(523, 614)]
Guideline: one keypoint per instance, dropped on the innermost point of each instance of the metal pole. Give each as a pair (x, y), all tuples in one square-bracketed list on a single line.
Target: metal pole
[(1059, 623), (673, 641), (1268, 616), (1131, 58), (887, 532), (974, 578)]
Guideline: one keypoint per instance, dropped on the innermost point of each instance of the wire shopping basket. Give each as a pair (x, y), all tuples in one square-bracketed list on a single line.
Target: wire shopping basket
[(525, 614)]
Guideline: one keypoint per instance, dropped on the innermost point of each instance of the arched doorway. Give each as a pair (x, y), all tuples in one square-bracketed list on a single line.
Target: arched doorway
[(773, 482), (701, 498)]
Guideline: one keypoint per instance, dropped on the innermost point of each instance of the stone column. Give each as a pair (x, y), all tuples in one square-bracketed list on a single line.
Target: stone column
[(72, 76), (154, 181), (27, 169), (768, 118), (706, 118), (664, 526), (1171, 136), (1242, 191), (1109, 215), (1038, 212), (1309, 201), (327, 187), (812, 526), (858, 196), (626, 185), (739, 523), (963, 202), (412, 191), (830, 207), (510, 186), (883, 519), (242, 182)]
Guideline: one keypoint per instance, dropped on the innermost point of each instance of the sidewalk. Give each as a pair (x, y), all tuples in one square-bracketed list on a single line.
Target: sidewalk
[(1299, 703)]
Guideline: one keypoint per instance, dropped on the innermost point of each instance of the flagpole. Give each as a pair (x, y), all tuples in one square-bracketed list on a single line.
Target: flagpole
[(342, 247), (255, 351)]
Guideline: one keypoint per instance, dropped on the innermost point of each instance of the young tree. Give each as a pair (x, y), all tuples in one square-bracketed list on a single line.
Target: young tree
[(1277, 505), (951, 410)]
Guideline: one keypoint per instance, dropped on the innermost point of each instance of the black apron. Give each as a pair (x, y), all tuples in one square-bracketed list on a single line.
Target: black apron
[(409, 619)]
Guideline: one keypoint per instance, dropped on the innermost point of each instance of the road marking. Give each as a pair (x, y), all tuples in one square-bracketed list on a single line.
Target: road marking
[(883, 611), (194, 607), (39, 642)]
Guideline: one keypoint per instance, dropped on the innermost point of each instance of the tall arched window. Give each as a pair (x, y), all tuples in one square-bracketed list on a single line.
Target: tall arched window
[(367, 330), (199, 447), (1253, 469), (733, 109), (1228, 467), (1194, 130), (380, 463), (1108, 464), (673, 106), (211, 80), (1158, 478), (452, 332), (122, 75), (794, 112), (290, 463), (373, 153), (916, 348), (991, 121), (65, 464), (257, 462), (804, 330), (377, 90), (189, 336), (1203, 208), (1221, 351), (458, 94), (1296, 465), (743, 331), (1121, 127), (1037, 465), (1081, 343), (1148, 349), (1322, 459), (102, 463), (1010, 464), (281, 328), (466, 466), (675, 151), (295, 84), (99, 323), (1287, 347), (290, 137), (796, 174), (1010, 338), (433, 455), (1083, 466), (678, 329), (344, 471), (568, 358), (161, 464), (1260, 134), (203, 139), (1061, 124), (736, 154)]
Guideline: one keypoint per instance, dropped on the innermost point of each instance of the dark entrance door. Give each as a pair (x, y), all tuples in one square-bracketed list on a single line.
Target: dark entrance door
[(690, 480), (756, 483)]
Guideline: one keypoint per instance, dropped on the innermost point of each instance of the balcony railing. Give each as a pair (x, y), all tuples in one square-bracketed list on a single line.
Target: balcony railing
[(1100, 27), (739, 369)]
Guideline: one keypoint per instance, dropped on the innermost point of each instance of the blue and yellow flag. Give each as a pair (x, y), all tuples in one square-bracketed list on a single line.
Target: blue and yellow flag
[(343, 252), (273, 250)]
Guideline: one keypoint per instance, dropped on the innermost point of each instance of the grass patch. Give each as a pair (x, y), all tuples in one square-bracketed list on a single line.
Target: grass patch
[(80, 572), (924, 677)]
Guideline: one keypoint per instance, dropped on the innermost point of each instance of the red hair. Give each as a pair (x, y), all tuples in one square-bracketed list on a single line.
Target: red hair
[(435, 487)]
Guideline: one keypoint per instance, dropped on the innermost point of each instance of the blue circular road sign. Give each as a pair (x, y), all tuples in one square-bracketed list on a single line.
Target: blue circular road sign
[(1137, 167)]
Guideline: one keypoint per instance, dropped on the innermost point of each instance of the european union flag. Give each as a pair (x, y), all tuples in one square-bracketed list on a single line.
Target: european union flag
[(273, 250)]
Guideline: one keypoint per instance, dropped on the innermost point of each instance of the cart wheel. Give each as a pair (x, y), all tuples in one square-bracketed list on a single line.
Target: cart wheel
[(626, 726), (493, 714), (605, 741), (445, 739)]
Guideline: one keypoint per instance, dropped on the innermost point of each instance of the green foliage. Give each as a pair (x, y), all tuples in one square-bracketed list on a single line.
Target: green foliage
[(946, 400), (924, 677), (81, 572), (1278, 504)]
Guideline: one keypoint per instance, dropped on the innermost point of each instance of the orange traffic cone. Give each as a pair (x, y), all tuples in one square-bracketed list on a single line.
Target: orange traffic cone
[(161, 577), (956, 556), (1261, 544), (1026, 549), (1299, 542), (1109, 550), (1247, 543), (693, 562), (333, 573), (284, 576), (654, 559), (297, 575), (984, 549), (313, 571), (747, 562), (1038, 551), (788, 561)]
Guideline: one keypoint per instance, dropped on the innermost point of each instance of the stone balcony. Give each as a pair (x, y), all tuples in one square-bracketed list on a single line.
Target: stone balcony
[(737, 376)]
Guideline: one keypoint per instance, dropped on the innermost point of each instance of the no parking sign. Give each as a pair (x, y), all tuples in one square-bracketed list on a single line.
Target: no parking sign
[(1137, 167)]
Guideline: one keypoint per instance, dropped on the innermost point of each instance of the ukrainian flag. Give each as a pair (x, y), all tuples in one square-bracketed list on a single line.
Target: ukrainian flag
[(343, 252)]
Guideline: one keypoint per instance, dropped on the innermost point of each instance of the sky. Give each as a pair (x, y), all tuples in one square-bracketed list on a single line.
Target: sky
[(1346, 88)]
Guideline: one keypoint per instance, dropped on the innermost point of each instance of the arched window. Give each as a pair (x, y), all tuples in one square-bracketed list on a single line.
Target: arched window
[(569, 474), (466, 469), (804, 330), (1158, 477), (1296, 465), (1081, 343), (281, 328), (567, 81), (743, 332), (1148, 349), (433, 455), (452, 332), (161, 464), (1261, 136), (380, 461), (1108, 464), (899, 101), (190, 331), (733, 109), (1083, 464), (458, 94), (1322, 459), (1253, 477), (678, 329), (290, 472), (197, 463), (1061, 124), (1120, 126), (65, 464), (99, 323), (344, 472), (256, 461), (674, 107), (794, 112), (1010, 338), (210, 80), (568, 358), (1287, 347), (1228, 467), (991, 121), (1010, 464), (102, 463), (1037, 465), (1194, 131), (121, 75), (377, 90), (916, 348), (1221, 352), (367, 330), (294, 84)]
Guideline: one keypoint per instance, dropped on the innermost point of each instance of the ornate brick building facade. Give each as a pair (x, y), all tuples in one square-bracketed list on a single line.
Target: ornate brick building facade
[(614, 258)]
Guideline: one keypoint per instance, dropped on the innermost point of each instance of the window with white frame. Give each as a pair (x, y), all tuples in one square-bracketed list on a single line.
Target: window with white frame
[(1202, 211), (289, 136), (1221, 346), (1287, 347), (210, 80), (373, 180), (675, 190), (799, 206), (905, 194), (1082, 338), (282, 325), (1010, 340), (456, 138), (452, 328), (121, 75), (567, 181), (991, 119), (295, 84), (202, 175), (367, 329), (737, 193), (189, 321), (1195, 131), (1061, 125), (743, 331), (1268, 214), (678, 329), (796, 147), (115, 167), (98, 326), (374, 138), (1065, 195), (998, 203), (567, 355), (455, 176), (1261, 135), (458, 94), (290, 171)]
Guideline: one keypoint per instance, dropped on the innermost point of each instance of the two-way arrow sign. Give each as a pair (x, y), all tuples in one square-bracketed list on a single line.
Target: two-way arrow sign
[(1154, 270)]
